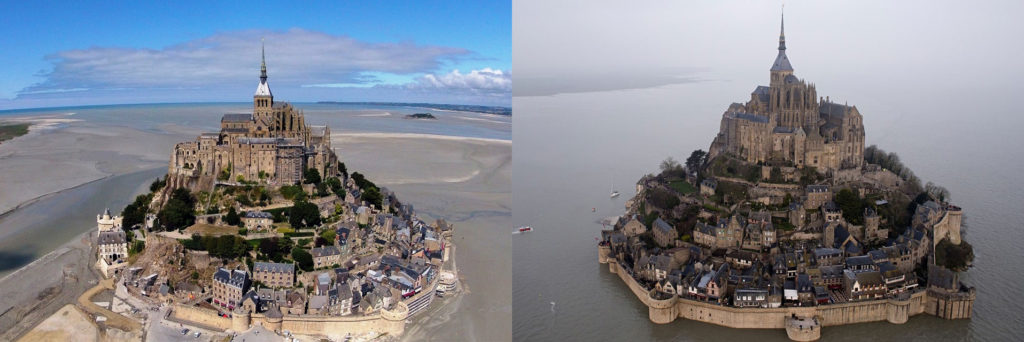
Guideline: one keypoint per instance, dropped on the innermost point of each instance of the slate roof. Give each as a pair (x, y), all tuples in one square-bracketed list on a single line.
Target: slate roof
[(236, 118), (235, 278), (751, 117), (782, 62), (263, 89), (833, 109), (862, 260), (114, 237), (253, 141), (817, 188), (273, 267), (761, 92), (258, 214), (825, 251), (662, 225), (324, 251), (783, 129)]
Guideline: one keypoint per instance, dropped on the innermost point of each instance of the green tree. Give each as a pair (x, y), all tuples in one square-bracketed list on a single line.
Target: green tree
[(329, 235), (954, 257), (157, 184), (342, 169), (851, 205), (663, 199), (334, 184), (304, 214), (311, 176), (135, 213), (268, 246), (695, 160), (302, 258), (372, 195), (178, 213), (361, 181), (232, 217)]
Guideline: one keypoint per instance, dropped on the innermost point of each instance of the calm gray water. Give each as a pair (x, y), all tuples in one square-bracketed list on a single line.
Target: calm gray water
[(55, 219), (569, 148)]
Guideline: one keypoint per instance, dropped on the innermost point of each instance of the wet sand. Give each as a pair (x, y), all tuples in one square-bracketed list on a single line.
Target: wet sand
[(59, 153)]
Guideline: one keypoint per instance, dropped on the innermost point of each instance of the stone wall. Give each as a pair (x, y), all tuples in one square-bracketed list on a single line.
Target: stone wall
[(950, 305), (202, 316), (895, 311), (391, 322)]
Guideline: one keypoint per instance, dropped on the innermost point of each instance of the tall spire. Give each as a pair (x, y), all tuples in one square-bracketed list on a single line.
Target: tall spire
[(781, 61), (263, 61), (782, 30)]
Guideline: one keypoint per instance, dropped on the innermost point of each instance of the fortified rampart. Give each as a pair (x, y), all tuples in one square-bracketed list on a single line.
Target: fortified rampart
[(391, 322), (664, 309)]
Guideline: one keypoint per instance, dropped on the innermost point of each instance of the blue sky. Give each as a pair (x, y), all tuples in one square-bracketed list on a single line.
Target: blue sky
[(77, 53)]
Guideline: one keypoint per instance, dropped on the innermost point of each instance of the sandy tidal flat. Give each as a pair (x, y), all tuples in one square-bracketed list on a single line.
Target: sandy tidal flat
[(58, 154)]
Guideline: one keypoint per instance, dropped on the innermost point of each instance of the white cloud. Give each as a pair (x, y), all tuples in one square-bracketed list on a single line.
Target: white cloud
[(294, 57), (486, 79), (485, 82)]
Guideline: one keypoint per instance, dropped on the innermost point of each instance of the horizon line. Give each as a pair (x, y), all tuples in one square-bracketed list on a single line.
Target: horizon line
[(384, 103)]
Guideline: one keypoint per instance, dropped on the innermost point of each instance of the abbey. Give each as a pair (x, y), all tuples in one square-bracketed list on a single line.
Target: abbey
[(786, 123), (273, 145)]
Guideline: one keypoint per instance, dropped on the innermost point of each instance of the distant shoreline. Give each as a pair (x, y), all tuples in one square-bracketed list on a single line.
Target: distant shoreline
[(506, 111), (496, 110)]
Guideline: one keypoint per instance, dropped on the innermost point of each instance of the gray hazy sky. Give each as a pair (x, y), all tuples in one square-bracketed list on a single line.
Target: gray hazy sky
[(911, 46)]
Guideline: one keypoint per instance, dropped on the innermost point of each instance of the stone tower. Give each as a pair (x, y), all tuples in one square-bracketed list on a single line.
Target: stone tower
[(263, 99), (781, 68)]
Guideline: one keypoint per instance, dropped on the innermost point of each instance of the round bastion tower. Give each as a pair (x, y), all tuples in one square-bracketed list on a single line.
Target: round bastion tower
[(393, 320)]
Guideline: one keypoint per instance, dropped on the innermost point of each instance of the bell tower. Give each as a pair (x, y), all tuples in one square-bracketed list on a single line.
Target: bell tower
[(263, 99), (781, 68)]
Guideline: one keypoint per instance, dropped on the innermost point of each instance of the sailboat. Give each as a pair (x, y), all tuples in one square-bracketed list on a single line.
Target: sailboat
[(614, 193)]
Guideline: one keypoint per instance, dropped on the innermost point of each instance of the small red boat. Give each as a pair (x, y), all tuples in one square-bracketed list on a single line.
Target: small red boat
[(525, 229)]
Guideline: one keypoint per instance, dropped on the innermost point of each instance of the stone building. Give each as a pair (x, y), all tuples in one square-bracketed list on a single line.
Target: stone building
[(797, 214), (325, 256), (664, 233), (106, 222), (229, 286), (872, 232), (272, 145), (943, 220), (272, 274), (816, 196), (863, 285), (258, 220), (708, 187), (786, 123), (634, 227), (113, 246)]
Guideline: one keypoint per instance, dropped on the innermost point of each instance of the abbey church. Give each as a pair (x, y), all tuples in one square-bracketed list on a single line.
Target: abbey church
[(787, 124), (273, 145)]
